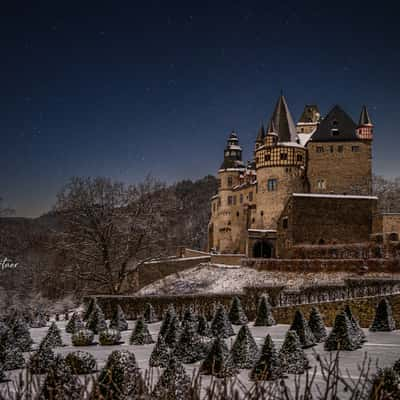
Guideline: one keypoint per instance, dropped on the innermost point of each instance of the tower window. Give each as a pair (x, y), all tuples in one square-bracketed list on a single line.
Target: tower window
[(237, 214), (283, 156), (355, 149), (285, 223), (320, 149), (267, 157), (250, 196), (331, 149), (229, 181), (256, 160), (241, 198), (234, 200), (340, 149), (229, 200), (321, 184), (272, 185), (299, 157), (335, 131), (262, 213)]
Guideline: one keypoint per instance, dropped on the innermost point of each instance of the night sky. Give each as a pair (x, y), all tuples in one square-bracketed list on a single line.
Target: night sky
[(123, 89)]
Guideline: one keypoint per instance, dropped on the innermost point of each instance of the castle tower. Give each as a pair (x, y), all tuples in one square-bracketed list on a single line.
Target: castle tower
[(280, 165), (224, 203), (309, 120), (365, 126), (339, 159), (260, 136)]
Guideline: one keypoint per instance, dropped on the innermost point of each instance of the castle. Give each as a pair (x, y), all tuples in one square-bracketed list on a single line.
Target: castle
[(309, 183)]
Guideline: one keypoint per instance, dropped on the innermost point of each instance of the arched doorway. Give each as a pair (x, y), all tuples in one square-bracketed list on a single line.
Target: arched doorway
[(263, 249)]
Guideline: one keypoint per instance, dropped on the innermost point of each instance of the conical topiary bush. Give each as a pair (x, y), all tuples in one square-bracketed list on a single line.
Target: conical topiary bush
[(203, 329), (358, 332), (74, 324), (383, 321), (236, 314), (189, 318), (317, 326), (21, 334), (300, 326), (174, 333), (264, 315), (141, 335), (149, 315), (12, 359), (81, 362), (41, 360), (218, 361), (189, 348), (118, 320), (89, 309), (120, 379), (174, 383), (96, 321), (244, 350), (53, 336), (342, 336), (60, 383), (291, 355), (221, 325), (168, 317), (268, 366), (159, 357)]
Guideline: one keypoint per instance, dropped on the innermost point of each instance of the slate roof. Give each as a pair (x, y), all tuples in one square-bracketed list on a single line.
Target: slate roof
[(337, 126), (310, 114), (282, 122), (364, 117)]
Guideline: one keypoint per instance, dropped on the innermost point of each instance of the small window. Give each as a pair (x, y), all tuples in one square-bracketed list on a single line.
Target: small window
[(229, 200), (331, 149), (241, 198), (283, 156), (230, 181), (256, 160), (302, 130), (272, 185), (285, 223), (320, 149), (299, 157), (335, 132), (253, 220), (234, 200), (251, 196), (237, 214), (321, 184), (340, 149), (355, 149), (262, 213), (267, 157)]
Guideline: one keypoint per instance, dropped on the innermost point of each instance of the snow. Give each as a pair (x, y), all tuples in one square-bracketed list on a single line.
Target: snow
[(381, 346), (304, 138), (335, 196), (262, 230)]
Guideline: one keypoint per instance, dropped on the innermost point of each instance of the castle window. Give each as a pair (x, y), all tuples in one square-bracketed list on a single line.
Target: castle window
[(355, 149), (320, 149), (302, 130), (229, 181), (250, 196), (321, 184), (331, 149), (234, 200), (241, 198), (283, 156), (219, 182), (262, 213), (267, 157), (256, 160), (335, 132), (272, 185), (340, 149), (253, 220), (229, 200), (299, 157), (285, 223), (237, 214)]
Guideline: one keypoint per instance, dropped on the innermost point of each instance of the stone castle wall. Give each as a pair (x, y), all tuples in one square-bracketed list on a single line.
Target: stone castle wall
[(344, 169)]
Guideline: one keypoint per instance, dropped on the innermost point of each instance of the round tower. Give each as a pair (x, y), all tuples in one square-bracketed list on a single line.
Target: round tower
[(365, 125), (280, 165)]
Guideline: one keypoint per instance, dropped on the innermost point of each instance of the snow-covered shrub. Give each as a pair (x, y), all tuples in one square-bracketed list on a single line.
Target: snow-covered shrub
[(81, 362), (141, 335), (244, 350), (118, 320), (41, 360), (53, 336), (74, 324), (109, 337), (84, 337)]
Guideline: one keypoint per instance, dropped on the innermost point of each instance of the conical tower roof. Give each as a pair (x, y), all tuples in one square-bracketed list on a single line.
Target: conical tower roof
[(364, 117), (261, 133), (283, 122), (271, 129)]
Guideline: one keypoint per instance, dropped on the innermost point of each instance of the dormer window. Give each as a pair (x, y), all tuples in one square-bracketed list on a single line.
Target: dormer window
[(335, 131)]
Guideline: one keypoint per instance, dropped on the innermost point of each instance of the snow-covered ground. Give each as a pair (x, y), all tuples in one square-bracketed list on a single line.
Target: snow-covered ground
[(219, 278), (381, 346)]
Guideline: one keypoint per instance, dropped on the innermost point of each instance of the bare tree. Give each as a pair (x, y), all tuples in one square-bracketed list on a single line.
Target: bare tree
[(110, 229), (388, 192)]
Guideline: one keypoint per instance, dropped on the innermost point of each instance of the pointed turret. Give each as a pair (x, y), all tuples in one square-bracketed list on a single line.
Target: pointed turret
[(232, 153), (364, 117), (283, 122), (365, 125), (260, 136)]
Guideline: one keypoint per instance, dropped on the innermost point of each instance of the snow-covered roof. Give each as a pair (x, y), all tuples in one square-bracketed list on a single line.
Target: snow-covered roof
[(262, 230), (234, 147), (290, 144), (304, 138), (232, 169), (335, 196)]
